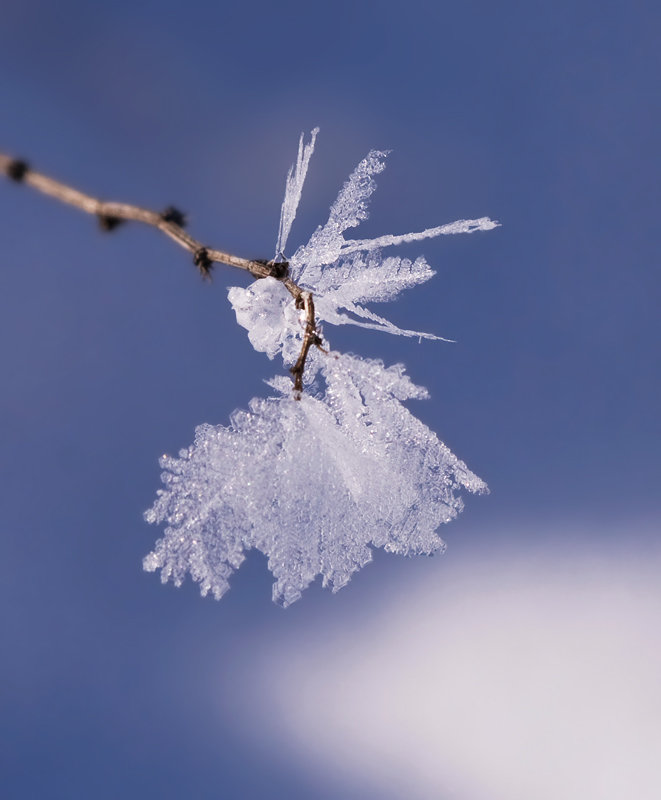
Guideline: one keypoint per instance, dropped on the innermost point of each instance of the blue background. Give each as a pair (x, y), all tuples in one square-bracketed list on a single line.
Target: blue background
[(544, 116)]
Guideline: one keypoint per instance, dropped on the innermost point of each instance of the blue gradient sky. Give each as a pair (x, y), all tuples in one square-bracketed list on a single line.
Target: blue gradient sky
[(544, 116)]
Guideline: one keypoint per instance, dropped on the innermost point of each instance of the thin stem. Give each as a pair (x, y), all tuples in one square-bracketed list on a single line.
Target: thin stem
[(170, 222), (311, 337)]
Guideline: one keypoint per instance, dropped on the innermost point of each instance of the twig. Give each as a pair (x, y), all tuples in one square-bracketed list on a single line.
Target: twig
[(311, 337), (171, 222)]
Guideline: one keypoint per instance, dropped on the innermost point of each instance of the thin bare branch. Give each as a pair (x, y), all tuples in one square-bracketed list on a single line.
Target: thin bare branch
[(311, 337), (170, 222)]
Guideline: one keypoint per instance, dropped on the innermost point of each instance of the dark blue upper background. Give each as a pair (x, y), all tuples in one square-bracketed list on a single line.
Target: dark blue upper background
[(544, 116)]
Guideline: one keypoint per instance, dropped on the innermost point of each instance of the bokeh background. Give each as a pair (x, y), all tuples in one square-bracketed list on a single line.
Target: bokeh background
[(524, 662)]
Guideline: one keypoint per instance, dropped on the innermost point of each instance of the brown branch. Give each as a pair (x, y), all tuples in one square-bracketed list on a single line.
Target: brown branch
[(311, 337), (171, 222)]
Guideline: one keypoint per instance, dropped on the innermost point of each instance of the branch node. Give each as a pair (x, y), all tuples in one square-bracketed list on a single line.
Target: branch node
[(203, 262), (108, 223), (277, 269), (17, 169), (297, 373), (173, 215)]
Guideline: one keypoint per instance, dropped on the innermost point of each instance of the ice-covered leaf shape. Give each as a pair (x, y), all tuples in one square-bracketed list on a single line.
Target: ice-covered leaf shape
[(313, 484)]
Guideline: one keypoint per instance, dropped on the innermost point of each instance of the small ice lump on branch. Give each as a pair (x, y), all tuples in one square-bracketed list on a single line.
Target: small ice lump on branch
[(315, 482)]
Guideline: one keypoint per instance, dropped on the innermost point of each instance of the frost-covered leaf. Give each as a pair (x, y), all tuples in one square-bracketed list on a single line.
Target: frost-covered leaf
[(313, 484)]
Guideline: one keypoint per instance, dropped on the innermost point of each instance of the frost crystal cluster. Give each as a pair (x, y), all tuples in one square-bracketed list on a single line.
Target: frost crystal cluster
[(314, 482)]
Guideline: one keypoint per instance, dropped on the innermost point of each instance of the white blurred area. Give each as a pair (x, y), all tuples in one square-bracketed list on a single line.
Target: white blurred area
[(507, 676)]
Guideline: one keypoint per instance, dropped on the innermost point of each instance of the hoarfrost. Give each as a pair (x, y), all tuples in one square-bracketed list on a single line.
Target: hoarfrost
[(342, 273), (314, 483), (348, 211), (293, 190), (361, 278)]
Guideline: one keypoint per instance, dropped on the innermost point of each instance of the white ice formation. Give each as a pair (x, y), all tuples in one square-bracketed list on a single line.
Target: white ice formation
[(314, 483)]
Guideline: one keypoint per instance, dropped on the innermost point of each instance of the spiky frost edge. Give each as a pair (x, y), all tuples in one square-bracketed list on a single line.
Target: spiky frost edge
[(293, 190)]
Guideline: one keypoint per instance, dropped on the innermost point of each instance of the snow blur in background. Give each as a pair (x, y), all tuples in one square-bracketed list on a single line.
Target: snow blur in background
[(521, 674)]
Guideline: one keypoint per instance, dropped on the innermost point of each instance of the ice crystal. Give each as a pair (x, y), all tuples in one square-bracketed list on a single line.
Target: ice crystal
[(342, 273), (315, 482), (293, 190)]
